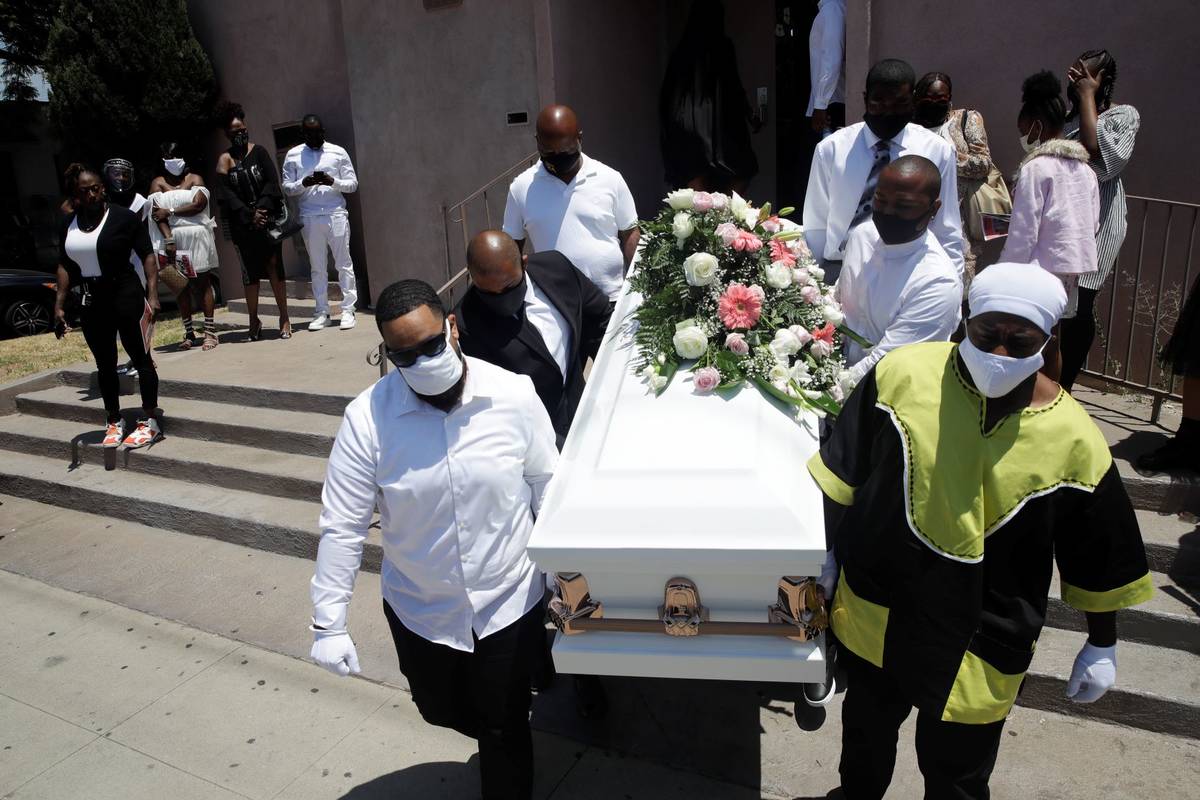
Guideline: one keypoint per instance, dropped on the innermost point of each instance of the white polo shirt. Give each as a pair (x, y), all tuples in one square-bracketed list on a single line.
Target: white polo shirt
[(580, 219)]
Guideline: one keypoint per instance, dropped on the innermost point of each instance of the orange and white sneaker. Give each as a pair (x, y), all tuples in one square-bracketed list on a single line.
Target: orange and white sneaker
[(146, 432), (114, 434)]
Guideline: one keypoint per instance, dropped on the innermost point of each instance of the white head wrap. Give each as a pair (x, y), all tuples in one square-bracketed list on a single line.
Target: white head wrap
[(1026, 290)]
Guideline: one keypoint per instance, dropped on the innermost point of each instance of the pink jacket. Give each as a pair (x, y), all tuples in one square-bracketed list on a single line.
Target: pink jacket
[(1056, 210)]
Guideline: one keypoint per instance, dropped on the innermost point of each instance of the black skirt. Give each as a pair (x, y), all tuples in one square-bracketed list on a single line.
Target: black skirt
[(255, 247), (1182, 353)]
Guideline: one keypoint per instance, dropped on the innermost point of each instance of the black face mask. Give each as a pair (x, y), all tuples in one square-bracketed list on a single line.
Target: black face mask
[(561, 163), (886, 126), (894, 229), (240, 139), (507, 303), (314, 140), (931, 114)]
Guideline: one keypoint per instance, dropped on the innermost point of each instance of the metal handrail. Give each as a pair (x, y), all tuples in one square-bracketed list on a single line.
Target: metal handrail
[(1136, 301)]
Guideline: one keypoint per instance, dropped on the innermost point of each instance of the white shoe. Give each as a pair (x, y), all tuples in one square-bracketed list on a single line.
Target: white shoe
[(147, 432), (321, 321), (348, 320)]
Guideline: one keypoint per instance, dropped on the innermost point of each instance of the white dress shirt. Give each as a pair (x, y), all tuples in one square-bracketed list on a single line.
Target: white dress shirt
[(580, 219), (839, 173), (319, 200), (457, 495), (826, 56), (549, 323), (896, 294)]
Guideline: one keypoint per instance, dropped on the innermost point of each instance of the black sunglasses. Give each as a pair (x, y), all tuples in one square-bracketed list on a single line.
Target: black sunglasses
[(430, 347)]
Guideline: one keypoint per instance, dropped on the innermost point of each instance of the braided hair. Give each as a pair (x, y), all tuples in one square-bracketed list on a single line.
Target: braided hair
[(1041, 99), (1096, 61)]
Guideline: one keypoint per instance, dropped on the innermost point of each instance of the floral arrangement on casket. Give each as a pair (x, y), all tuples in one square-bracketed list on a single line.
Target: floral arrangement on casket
[(734, 290)]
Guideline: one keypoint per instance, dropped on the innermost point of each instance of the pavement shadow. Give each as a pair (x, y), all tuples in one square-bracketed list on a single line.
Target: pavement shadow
[(438, 779)]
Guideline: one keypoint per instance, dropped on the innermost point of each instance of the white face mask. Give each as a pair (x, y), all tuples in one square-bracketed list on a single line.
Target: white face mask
[(996, 376), (1028, 146), (432, 375), (174, 165)]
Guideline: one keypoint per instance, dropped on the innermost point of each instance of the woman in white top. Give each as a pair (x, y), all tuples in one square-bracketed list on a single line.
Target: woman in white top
[(181, 230)]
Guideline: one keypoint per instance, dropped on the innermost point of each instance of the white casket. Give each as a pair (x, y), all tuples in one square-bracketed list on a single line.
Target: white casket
[(711, 489)]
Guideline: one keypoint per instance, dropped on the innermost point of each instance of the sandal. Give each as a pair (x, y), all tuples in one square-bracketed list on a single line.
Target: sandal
[(187, 344), (210, 341), (255, 330), (285, 330)]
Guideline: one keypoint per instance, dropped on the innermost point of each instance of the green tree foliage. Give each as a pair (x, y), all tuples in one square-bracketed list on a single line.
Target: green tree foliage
[(24, 29), (124, 76)]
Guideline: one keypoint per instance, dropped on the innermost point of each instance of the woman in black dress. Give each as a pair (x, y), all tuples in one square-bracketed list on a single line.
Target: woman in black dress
[(94, 244), (1182, 357), (252, 200)]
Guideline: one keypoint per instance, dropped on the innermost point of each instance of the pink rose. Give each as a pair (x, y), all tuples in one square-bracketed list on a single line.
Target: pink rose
[(758, 292), (771, 224), (728, 233), (702, 201), (799, 248), (746, 242), (821, 348), (719, 201), (706, 379), (801, 333), (801, 276), (811, 294), (736, 343)]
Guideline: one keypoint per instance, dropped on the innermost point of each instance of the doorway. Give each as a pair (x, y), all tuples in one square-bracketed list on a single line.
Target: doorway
[(795, 139)]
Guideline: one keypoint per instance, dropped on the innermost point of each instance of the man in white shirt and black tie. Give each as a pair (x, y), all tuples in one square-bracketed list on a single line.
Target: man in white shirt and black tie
[(319, 173), (846, 167), (457, 453), (898, 286)]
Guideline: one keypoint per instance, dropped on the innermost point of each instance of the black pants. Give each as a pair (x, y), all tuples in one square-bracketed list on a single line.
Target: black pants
[(955, 759), (1077, 334), (484, 695), (117, 309)]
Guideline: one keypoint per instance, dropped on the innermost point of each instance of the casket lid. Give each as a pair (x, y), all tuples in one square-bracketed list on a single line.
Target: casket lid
[(681, 480)]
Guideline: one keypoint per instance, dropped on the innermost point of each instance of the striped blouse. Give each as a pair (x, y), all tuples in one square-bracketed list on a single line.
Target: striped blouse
[(1116, 130)]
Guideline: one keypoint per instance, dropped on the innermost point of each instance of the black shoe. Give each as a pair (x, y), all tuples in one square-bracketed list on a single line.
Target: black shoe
[(1174, 456), (819, 694), (591, 701)]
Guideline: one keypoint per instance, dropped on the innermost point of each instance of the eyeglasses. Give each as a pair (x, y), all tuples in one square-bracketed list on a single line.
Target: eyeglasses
[(430, 347)]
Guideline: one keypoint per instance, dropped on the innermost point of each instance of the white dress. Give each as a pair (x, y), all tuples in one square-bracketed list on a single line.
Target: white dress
[(193, 234)]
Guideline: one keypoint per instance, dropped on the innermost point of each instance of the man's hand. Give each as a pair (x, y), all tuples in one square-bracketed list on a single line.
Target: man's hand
[(1085, 82), (60, 319), (324, 178), (155, 307), (260, 217), (334, 650), (1094, 673), (820, 119), (309, 180), (829, 574), (160, 214)]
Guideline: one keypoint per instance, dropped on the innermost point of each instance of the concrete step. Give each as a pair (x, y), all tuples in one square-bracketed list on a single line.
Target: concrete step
[(1163, 493), (1171, 618), (283, 431), (302, 290), (284, 526), (82, 377), (1158, 689), (231, 466), (300, 310), (1172, 542)]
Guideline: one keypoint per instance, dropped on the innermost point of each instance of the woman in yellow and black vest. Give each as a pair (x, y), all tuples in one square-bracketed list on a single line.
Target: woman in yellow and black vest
[(958, 475)]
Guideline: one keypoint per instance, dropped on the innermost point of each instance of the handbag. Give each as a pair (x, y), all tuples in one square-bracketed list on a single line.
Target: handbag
[(169, 274), (989, 197), (284, 224)]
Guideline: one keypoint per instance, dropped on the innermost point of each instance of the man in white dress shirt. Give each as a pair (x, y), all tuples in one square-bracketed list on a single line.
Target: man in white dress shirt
[(846, 167), (827, 67), (319, 173), (574, 204), (456, 453), (898, 286)]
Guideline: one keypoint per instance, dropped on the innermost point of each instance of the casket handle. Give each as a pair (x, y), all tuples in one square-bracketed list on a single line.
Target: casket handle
[(801, 604), (572, 602), (681, 612)]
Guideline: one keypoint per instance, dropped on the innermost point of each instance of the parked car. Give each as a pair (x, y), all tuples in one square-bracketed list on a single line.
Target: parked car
[(26, 302)]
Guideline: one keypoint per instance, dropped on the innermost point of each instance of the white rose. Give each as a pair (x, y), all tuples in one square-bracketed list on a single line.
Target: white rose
[(658, 382), (846, 380), (820, 349), (785, 343), (719, 201), (779, 275), (680, 199), (778, 375), (683, 225), (816, 272), (836, 393), (649, 371), (799, 373), (690, 342), (738, 207), (700, 269), (750, 217), (833, 314)]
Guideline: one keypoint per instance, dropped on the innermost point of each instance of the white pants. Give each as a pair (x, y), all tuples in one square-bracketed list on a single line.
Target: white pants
[(322, 234)]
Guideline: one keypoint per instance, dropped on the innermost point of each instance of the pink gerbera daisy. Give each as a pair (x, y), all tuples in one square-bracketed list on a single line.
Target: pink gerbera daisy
[(739, 307), (780, 252)]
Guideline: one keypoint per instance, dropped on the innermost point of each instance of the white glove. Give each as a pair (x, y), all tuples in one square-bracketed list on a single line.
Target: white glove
[(334, 650), (829, 574), (1094, 673)]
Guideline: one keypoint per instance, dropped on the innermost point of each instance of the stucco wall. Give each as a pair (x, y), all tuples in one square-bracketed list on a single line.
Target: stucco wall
[(989, 48), (280, 59), (430, 92)]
